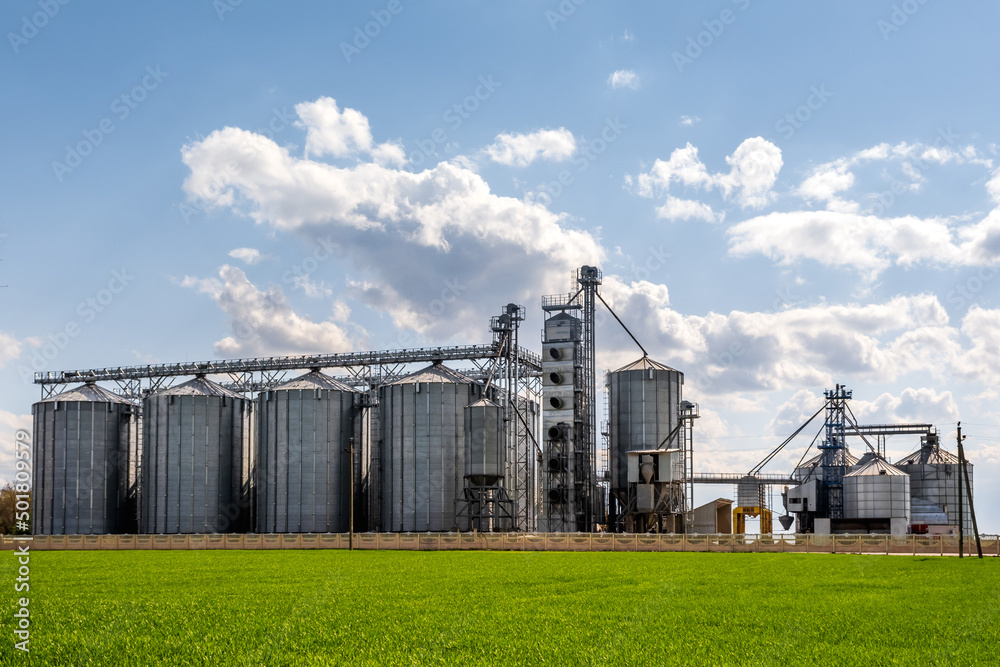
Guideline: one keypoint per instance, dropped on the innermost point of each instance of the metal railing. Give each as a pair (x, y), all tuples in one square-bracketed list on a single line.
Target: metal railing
[(913, 545), (736, 478)]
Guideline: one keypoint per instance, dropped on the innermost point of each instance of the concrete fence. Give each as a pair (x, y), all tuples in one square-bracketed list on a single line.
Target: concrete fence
[(937, 545)]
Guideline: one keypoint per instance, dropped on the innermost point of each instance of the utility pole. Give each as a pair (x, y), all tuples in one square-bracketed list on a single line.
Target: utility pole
[(968, 490), (961, 519), (351, 518)]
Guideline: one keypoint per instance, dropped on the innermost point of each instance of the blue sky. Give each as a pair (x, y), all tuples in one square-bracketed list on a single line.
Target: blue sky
[(781, 197)]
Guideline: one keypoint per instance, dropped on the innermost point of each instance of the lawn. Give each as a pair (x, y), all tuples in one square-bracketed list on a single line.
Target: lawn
[(504, 608)]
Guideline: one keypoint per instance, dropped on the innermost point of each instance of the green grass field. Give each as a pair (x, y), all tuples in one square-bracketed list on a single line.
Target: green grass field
[(402, 608)]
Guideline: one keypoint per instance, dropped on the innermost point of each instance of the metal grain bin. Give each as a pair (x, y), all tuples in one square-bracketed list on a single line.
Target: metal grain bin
[(195, 460), (85, 451), (934, 480), (302, 468), (877, 490), (643, 402), (422, 449), (485, 444)]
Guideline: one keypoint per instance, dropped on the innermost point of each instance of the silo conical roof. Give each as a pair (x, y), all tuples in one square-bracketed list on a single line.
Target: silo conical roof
[(645, 363), (876, 466), (314, 380), (435, 373), (483, 402), (88, 392), (199, 386), (929, 455)]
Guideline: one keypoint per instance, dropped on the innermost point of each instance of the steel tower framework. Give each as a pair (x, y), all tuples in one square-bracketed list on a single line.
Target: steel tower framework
[(834, 449), (576, 479), (518, 391), (589, 279)]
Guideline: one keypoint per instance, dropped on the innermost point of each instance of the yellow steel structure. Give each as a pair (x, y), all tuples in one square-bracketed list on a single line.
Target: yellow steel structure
[(740, 515)]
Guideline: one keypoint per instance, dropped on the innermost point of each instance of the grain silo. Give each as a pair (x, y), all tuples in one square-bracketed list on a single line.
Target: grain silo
[(934, 488), (84, 463), (196, 460), (644, 399), (302, 468), (877, 496), (485, 504), (422, 449)]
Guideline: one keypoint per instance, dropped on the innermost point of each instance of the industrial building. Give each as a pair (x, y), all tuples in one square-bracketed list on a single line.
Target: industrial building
[(481, 438)]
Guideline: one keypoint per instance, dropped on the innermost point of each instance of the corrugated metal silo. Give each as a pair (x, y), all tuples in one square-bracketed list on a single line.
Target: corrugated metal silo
[(302, 468), (643, 402), (935, 480), (84, 463), (196, 460), (485, 445), (422, 448), (485, 504), (877, 490)]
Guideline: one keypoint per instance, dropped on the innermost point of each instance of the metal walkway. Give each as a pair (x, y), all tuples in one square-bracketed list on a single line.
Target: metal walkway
[(257, 374)]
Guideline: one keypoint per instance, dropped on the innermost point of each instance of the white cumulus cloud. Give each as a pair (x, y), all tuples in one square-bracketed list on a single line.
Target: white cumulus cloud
[(330, 131), (251, 256), (427, 246), (753, 171), (808, 346), (520, 150), (623, 78), (686, 209), (263, 322), (10, 348)]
